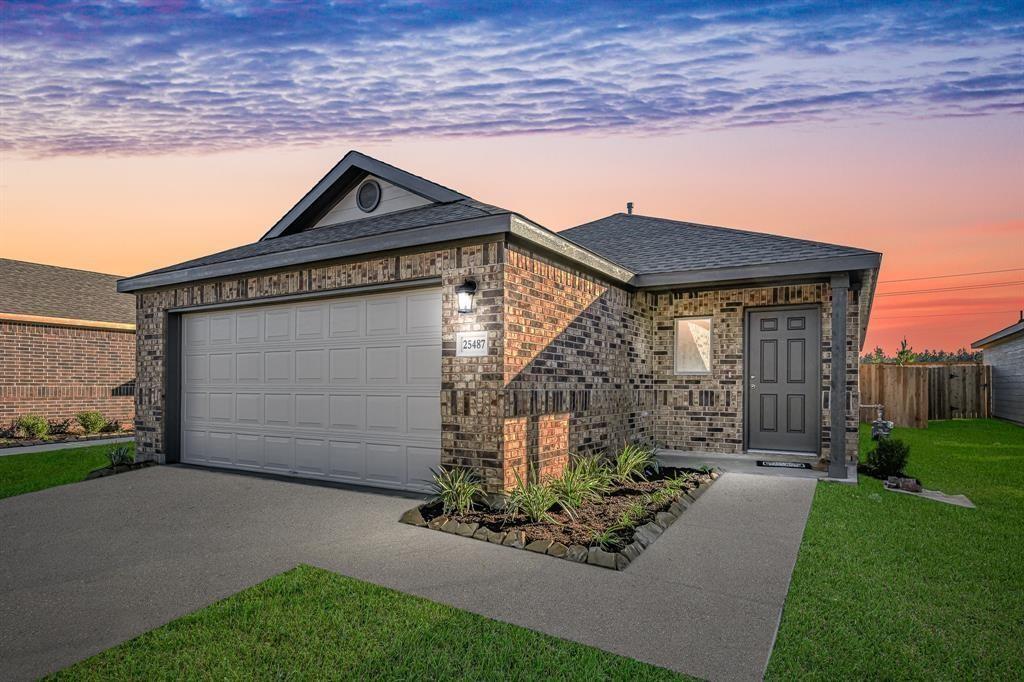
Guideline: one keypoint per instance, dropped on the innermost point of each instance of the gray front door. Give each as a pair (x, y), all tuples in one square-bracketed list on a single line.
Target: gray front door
[(783, 372)]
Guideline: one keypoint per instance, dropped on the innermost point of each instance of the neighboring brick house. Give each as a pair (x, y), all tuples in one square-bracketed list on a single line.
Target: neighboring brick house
[(346, 343), (67, 343)]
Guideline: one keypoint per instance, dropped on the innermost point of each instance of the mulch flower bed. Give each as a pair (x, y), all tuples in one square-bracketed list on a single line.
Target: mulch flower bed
[(64, 438), (572, 536)]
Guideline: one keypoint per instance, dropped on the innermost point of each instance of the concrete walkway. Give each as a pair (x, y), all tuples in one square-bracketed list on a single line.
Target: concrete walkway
[(25, 449), (86, 566)]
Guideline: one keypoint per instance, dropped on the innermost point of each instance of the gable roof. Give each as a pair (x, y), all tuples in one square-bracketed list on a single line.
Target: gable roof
[(667, 251), (638, 251), (341, 179), (34, 290), (1001, 335)]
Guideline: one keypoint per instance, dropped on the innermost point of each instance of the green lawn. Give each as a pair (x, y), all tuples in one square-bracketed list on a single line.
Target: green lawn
[(888, 586), (37, 470), (309, 623)]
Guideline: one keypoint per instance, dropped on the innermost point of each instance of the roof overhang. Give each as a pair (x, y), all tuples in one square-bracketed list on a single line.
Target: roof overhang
[(472, 228), (350, 170), (765, 272), (1001, 335)]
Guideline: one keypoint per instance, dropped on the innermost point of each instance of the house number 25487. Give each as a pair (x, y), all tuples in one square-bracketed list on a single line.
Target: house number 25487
[(471, 344)]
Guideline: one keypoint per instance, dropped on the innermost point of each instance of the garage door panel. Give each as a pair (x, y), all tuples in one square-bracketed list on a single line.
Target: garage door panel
[(346, 319), (347, 459), (309, 323), (220, 447), (385, 413), (311, 411), (197, 368), (277, 366), (249, 408), (346, 365), (197, 406), (222, 407), (277, 325), (249, 450), (248, 326), (277, 409), (420, 461), (222, 329), (347, 411), (384, 316), (422, 415), (384, 365), (248, 367), (196, 331), (347, 389), (423, 365), (385, 463), (194, 445), (277, 453), (222, 367), (311, 455), (310, 366), (423, 314)]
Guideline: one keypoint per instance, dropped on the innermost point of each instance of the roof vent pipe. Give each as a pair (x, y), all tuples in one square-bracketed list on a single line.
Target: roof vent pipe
[(629, 208)]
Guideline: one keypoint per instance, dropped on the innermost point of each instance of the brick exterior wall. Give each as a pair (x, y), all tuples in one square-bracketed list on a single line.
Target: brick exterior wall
[(58, 371), (577, 347), (575, 364), (705, 413)]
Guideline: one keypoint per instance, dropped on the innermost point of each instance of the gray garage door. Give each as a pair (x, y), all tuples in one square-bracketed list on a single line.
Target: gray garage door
[(345, 389)]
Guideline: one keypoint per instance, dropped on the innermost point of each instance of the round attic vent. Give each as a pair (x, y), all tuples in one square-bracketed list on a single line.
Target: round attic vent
[(368, 196)]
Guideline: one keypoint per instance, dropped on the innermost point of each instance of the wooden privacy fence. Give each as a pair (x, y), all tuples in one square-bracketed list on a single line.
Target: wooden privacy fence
[(913, 394)]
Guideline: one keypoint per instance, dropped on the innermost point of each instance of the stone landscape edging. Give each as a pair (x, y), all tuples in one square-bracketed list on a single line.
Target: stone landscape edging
[(643, 536), (82, 438)]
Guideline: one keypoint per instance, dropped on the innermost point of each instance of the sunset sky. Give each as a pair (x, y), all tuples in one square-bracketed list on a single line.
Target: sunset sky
[(136, 135)]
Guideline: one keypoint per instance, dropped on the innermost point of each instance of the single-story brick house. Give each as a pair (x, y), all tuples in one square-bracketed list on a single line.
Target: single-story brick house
[(67, 343), (387, 325)]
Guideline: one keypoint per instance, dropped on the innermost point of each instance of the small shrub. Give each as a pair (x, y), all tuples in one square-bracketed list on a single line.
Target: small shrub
[(533, 500), (578, 484), (112, 426), (9, 431), (91, 422), (632, 463), (595, 469), (457, 488), (889, 458), (33, 426), (120, 454), (59, 427)]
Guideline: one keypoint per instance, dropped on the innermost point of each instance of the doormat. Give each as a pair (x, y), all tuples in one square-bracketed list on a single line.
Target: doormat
[(784, 465)]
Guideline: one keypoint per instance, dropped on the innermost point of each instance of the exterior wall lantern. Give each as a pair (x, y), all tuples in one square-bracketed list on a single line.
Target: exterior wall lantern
[(465, 293)]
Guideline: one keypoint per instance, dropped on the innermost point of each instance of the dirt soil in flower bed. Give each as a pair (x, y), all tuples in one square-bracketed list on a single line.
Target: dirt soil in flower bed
[(580, 527)]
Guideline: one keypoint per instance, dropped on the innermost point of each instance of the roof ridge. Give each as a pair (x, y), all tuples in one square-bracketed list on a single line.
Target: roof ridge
[(415, 175), (737, 230)]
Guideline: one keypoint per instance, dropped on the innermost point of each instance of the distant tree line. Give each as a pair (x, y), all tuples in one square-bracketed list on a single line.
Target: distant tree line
[(905, 355)]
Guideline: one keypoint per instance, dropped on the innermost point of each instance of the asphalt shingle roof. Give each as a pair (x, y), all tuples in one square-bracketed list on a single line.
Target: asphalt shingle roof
[(50, 291), (649, 245), (433, 214)]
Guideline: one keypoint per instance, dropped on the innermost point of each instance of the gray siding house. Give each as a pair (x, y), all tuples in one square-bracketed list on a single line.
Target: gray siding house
[(1004, 352), (388, 325)]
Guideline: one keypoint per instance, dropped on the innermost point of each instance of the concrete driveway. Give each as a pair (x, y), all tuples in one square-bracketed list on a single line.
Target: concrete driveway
[(86, 566)]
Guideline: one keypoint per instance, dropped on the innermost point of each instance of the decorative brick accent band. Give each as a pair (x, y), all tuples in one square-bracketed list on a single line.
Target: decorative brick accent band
[(59, 371)]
